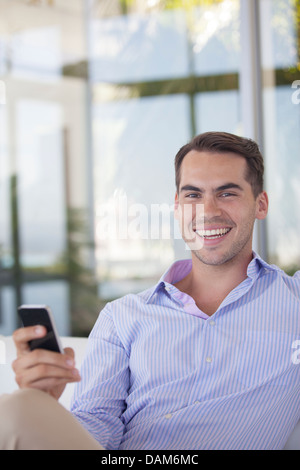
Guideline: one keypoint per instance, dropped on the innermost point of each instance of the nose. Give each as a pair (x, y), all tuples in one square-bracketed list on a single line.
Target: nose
[(211, 208)]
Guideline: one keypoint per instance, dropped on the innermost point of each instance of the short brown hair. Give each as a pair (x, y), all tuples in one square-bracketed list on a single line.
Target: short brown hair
[(223, 142)]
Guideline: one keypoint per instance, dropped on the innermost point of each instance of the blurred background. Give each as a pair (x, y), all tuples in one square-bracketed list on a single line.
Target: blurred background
[(96, 98)]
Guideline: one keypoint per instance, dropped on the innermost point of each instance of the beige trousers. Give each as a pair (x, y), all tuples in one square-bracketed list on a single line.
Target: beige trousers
[(33, 420)]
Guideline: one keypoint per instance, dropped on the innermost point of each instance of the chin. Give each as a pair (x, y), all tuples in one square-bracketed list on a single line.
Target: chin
[(213, 258)]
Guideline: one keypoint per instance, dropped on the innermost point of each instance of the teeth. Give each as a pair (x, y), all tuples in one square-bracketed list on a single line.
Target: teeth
[(213, 233)]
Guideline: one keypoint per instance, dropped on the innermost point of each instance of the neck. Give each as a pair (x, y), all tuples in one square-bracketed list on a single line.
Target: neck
[(232, 272), (208, 285)]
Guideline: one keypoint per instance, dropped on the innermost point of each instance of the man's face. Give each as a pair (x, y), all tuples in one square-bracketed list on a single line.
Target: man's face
[(216, 206)]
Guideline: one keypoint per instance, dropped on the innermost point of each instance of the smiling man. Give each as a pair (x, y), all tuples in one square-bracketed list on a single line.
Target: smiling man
[(203, 359), (224, 173)]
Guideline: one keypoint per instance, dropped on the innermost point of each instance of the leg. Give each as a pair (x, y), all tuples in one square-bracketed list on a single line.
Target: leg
[(32, 420)]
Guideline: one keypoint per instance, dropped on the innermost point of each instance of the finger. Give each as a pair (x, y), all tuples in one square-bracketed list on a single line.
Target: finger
[(44, 373), (51, 386), (69, 352), (22, 336), (42, 356)]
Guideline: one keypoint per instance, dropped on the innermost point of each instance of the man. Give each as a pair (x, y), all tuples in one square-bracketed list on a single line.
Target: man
[(203, 360)]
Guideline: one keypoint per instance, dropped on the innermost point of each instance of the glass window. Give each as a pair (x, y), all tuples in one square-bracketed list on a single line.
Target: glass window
[(135, 47), (5, 229), (154, 84), (96, 98), (215, 37), (41, 194), (281, 70), (7, 307), (134, 187), (44, 237), (226, 119)]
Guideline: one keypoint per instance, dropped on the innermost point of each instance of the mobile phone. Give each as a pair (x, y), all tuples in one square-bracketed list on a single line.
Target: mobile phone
[(41, 315)]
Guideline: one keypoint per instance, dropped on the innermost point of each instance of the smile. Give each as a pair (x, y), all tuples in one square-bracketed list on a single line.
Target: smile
[(213, 234)]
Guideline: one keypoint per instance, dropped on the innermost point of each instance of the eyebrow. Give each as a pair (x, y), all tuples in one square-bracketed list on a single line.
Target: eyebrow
[(224, 187)]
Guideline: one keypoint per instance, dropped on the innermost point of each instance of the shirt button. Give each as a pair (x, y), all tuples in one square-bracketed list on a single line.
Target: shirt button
[(212, 323), (208, 359), (168, 416)]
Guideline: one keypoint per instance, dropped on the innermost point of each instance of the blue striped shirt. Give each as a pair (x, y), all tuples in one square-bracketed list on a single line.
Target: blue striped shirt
[(160, 374)]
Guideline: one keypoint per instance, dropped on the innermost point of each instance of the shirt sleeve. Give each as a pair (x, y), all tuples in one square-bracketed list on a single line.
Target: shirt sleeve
[(100, 398)]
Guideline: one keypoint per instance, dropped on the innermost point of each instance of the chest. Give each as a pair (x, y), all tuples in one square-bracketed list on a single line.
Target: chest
[(233, 350)]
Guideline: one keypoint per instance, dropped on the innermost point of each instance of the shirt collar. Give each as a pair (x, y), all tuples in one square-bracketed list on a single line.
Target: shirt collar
[(175, 273), (257, 264), (179, 269)]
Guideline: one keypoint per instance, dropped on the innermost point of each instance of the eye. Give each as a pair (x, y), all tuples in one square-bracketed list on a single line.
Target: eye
[(225, 195), (192, 195)]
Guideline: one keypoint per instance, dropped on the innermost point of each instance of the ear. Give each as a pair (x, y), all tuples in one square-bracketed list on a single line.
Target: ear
[(262, 204)]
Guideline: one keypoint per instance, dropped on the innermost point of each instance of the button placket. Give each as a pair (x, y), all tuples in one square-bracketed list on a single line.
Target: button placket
[(206, 358), (208, 353)]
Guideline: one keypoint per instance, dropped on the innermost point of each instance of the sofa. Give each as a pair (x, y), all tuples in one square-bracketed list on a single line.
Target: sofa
[(8, 384)]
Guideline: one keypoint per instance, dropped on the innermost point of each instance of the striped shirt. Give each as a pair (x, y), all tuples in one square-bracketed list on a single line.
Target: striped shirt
[(160, 374)]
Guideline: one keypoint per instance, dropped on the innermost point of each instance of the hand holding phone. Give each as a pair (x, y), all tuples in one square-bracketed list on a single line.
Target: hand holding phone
[(32, 315), (42, 368)]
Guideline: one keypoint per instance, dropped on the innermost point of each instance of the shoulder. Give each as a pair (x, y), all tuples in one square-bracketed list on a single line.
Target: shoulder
[(292, 282), (289, 281), (130, 304)]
